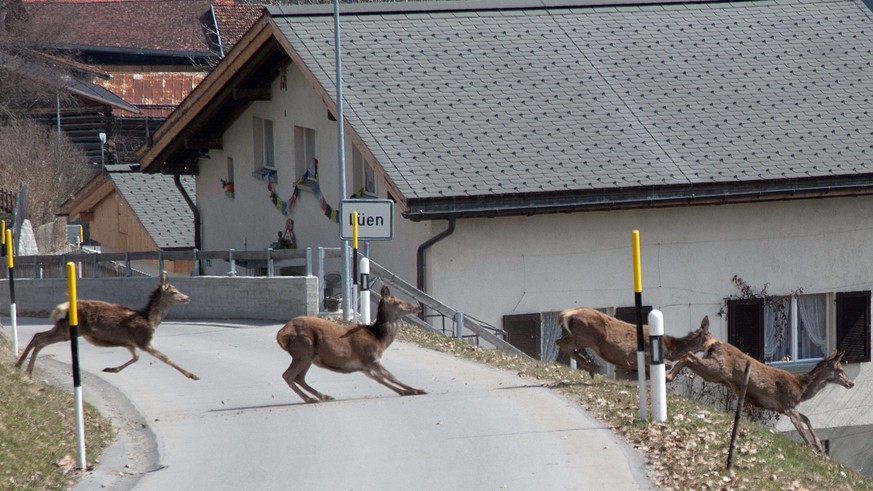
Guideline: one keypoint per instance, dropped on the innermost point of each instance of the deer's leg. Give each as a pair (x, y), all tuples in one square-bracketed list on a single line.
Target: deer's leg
[(567, 345), (164, 358), (679, 366), (796, 418), (39, 341), (292, 374), (300, 379), (380, 374), (133, 359)]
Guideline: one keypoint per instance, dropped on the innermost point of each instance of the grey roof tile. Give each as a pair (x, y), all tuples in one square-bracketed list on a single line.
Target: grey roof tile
[(159, 206), (603, 97)]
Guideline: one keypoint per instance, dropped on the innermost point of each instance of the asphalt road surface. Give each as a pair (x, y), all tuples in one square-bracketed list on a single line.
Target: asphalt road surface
[(241, 428)]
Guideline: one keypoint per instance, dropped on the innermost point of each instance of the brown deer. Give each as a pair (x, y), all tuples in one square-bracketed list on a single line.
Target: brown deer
[(344, 348), (109, 325), (769, 387), (616, 341)]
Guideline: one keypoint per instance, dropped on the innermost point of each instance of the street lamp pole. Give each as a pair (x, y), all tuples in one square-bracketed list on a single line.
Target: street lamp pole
[(102, 136)]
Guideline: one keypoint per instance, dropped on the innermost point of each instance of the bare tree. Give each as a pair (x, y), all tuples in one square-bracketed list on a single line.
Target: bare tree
[(52, 166)]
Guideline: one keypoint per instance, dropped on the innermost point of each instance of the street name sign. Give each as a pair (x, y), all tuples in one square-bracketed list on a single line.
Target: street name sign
[(375, 219)]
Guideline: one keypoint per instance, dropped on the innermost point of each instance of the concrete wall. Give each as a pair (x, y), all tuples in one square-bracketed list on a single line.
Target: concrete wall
[(212, 297)]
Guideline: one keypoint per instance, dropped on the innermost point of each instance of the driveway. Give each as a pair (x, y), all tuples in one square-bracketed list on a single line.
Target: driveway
[(241, 428)]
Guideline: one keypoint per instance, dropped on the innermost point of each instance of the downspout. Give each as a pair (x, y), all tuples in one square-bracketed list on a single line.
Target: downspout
[(194, 211), (420, 269)]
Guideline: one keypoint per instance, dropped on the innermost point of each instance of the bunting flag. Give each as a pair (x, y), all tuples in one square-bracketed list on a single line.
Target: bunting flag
[(309, 178)]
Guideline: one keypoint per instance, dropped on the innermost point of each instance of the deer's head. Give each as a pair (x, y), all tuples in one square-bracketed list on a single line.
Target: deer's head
[(835, 372), (397, 306), (702, 336), (169, 293)]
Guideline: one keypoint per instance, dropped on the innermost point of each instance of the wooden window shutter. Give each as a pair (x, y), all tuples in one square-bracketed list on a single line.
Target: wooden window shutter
[(853, 326), (746, 326)]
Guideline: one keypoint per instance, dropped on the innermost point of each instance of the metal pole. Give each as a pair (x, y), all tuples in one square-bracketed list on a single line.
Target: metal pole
[(641, 345), (73, 319), (365, 290), (355, 247), (308, 261), (657, 371), (347, 314), (13, 310), (269, 262), (459, 320), (320, 274)]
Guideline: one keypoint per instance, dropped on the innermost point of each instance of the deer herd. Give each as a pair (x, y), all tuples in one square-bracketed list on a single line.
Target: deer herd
[(348, 348)]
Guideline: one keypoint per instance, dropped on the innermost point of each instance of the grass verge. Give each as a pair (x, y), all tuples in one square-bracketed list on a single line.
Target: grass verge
[(38, 431), (689, 450)]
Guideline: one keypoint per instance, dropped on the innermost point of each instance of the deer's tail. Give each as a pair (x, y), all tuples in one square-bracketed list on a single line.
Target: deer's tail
[(292, 332), (564, 320), (60, 312)]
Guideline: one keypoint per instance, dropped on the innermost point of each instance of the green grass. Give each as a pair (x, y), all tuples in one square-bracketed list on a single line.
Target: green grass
[(690, 449), (38, 431)]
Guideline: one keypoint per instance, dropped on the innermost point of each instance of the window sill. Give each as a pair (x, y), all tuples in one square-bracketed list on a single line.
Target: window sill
[(796, 367), (265, 174)]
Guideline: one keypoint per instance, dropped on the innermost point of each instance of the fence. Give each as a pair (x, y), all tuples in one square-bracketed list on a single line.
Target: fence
[(149, 263)]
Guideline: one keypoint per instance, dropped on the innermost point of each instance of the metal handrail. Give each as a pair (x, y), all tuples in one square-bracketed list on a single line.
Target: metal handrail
[(479, 328)]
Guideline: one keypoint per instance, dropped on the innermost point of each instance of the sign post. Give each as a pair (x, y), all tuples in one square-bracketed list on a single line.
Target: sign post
[(73, 320), (13, 310), (641, 345), (657, 371)]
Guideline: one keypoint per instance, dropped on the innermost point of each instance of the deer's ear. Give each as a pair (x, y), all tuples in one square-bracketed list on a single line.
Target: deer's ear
[(385, 291), (164, 278), (838, 356), (704, 324)]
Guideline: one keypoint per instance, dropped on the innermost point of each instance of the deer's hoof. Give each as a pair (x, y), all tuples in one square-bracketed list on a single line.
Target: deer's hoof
[(192, 376), (414, 392), (111, 370)]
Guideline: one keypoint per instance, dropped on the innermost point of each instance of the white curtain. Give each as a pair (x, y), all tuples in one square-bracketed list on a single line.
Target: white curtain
[(777, 342), (812, 326)]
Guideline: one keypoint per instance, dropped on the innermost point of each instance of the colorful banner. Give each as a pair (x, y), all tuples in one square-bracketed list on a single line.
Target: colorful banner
[(309, 178)]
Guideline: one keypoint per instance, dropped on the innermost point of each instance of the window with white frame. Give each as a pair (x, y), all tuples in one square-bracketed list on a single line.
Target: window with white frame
[(262, 138), (801, 327), (364, 176), (304, 153)]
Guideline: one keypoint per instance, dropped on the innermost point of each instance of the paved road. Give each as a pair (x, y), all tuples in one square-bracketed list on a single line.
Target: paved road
[(240, 428)]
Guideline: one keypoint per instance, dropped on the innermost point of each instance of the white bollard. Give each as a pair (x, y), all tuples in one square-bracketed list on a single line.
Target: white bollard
[(657, 372), (365, 290)]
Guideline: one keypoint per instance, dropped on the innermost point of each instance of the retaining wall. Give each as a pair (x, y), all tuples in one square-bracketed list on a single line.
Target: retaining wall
[(276, 298)]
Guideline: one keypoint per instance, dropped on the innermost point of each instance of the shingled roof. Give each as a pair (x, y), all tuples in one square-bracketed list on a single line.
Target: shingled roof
[(159, 206), (489, 108), (173, 27)]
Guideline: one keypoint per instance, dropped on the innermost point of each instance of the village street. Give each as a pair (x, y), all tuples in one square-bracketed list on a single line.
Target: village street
[(241, 427)]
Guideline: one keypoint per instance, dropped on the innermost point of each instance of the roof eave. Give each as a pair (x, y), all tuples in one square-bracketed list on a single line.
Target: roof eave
[(637, 198), (167, 142)]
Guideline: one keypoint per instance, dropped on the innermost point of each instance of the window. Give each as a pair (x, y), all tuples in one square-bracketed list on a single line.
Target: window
[(853, 326), (304, 153), (364, 176), (262, 137), (227, 184), (797, 327)]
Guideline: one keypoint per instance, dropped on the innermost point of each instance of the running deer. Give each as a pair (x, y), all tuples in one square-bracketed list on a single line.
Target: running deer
[(769, 387), (616, 341), (109, 325), (344, 348)]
